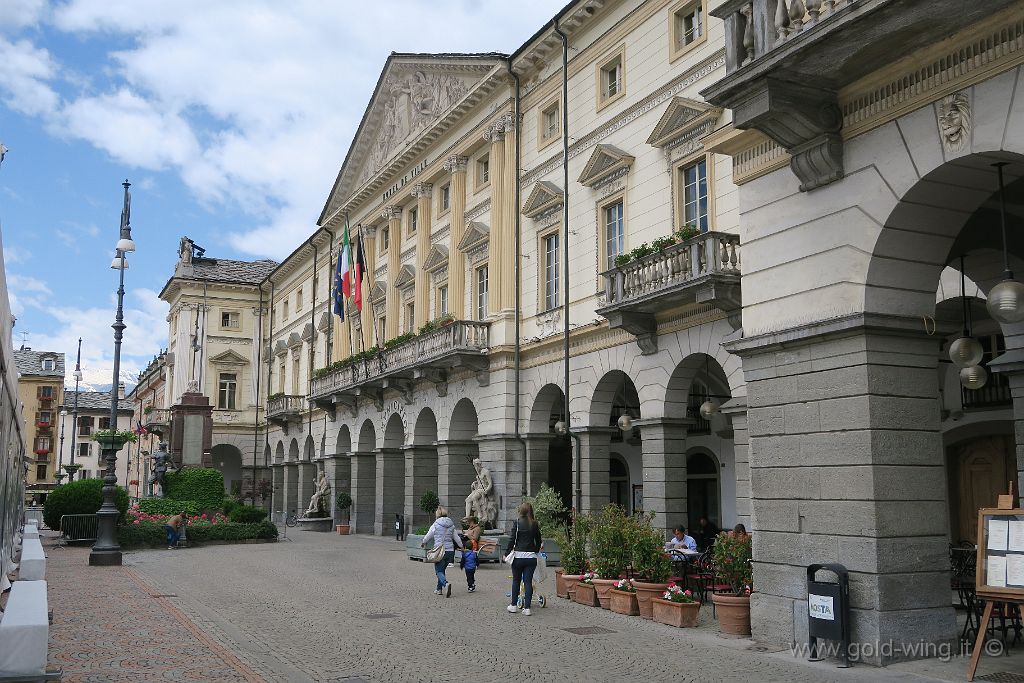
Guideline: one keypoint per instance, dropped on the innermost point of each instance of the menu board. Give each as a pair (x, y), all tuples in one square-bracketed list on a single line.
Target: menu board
[(1000, 570)]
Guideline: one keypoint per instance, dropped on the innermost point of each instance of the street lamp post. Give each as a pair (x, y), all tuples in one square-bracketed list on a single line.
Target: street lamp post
[(59, 476), (74, 411), (107, 550)]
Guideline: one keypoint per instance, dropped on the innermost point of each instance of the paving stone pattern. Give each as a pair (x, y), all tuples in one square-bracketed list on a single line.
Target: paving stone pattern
[(323, 607)]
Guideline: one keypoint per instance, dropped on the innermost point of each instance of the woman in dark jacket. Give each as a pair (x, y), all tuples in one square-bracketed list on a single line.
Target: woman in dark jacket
[(526, 543)]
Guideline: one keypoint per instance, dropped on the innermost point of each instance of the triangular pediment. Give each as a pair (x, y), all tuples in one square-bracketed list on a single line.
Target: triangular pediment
[(476, 234), (229, 357), (437, 258), (544, 195), (605, 161), (324, 323), (683, 116), (307, 332), (406, 276), (281, 347), (294, 340), (418, 97), (379, 291)]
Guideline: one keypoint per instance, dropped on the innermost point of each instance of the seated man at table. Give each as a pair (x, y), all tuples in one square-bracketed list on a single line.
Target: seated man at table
[(680, 541)]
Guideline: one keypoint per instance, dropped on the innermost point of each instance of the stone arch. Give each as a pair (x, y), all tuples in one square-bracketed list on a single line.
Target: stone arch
[(228, 460), (308, 449), (421, 467), (367, 437), (549, 401), (425, 430), (614, 394), (279, 452), (343, 444), (697, 367), (465, 424), (394, 432), (293, 451), (266, 455), (323, 445)]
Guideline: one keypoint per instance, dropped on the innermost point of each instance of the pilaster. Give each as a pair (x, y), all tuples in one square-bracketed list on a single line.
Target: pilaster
[(593, 476), (393, 215), (664, 465), (364, 491), (506, 239), (366, 318), (736, 410), (424, 193), (455, 473), (496, 253), (456, 165), (537, 453), (390, 498)]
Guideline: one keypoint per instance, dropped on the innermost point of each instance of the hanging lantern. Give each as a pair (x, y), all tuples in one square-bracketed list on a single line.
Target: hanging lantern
[(965, 352), (625, 422), (973, 377), (1006, 301), (708, 408)]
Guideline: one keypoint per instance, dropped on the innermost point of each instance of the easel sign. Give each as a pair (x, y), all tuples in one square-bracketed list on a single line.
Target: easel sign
[(1000, 570)]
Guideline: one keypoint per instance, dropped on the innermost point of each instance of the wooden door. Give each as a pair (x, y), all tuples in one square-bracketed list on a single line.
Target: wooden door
[(984, 469)]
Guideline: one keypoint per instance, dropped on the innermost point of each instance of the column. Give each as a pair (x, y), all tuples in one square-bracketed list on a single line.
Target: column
[(366, 318), (291, 488), (594, 443), (424, 193), (364, 491), (420, 477), (503, 456), (664, 460), (455, 473), (537, 446), (847, 466), (736, 410), (277, 504), (393, 215), (507, 238), (456, 165), (339, 473), (497, 252), (390, 497), (307, 485)]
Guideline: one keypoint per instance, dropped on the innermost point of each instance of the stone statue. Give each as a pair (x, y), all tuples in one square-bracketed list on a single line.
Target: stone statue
[(955, 121), (159, 476), (320, 500), (481, 502)]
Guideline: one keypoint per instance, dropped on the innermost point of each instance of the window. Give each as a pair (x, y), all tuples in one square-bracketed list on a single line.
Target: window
[(410, 316), (694, 196), (480, 295), (614, 233), (104, 423), (44, 417), (49, 364), (84, 426), (298, 298), (229, 320), (284, 311), (85, 474), (226, 384), (384, 242), (46, 393), (687, 26), (382, 332), (610, 80), (445, 198), (550, 249), (42, 443), (483, 170), (296, 368), (413, 220), (442, 300), (550, 123), (83, 450), (280, 375), (40, 472)]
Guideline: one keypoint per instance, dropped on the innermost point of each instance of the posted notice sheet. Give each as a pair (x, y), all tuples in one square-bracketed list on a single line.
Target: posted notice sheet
[(1015, 570), (1016, 536), (997, 532), (995, 576)]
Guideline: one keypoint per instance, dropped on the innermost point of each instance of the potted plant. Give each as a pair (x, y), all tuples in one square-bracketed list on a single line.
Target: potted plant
[(112, 439), (731, 554), (623, 598), (586, 591), (551, 515), (574, 556), (344, 504), (610, 545), (676, 607), (651, 566)]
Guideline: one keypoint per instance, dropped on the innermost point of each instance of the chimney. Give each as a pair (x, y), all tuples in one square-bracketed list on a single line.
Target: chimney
[(120, 390)]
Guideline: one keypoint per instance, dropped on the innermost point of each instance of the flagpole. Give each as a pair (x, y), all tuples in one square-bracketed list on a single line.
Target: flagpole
[(355, 283)]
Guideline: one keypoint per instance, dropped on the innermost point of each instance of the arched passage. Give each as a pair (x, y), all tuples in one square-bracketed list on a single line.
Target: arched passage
[(421, 467), (455, 457), (364, 479), (390, 476), (228, 459), (293, 450), (614, 397), (549, 457), (343, 444), (279, 452)]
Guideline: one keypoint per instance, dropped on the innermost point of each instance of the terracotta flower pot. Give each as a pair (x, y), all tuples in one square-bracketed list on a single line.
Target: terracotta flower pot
[(603, 586), (571, 582), (644, 593), (623, 602), (561, 588), (586, 595), (344, 529), (733, 613), (678, 614)]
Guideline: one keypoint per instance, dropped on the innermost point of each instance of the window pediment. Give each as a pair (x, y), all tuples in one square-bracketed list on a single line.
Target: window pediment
[(406, 276), (544, 196), (324, 323), (606, 161), (229, 357), (307, 332), (683, 117), (477, 234), (281, 347), (294, 340), (436, 259), (378, 292)]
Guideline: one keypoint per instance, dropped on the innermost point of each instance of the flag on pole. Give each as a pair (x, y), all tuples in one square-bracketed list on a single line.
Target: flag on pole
[(339, 295), (346, 259), (140, 430), (360, 271)]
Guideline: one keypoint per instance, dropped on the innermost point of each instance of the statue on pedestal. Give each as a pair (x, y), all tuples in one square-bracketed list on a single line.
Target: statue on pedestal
[(481, 502), (160, 460), (318, 504)]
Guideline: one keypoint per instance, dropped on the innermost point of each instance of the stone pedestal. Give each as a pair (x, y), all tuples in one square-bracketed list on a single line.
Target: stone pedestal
[(364, 491), (420, 477), (192, 431), (664, 459), (390, 498)]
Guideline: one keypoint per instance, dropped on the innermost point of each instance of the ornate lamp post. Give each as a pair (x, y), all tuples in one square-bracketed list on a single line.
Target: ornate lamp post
[(107, 551), (74, 412), (59, 476)]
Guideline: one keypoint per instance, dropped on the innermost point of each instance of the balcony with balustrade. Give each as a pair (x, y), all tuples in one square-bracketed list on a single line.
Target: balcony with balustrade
[(789, 61), (284, 409), (157, 421), (429, 356), (704, 269)]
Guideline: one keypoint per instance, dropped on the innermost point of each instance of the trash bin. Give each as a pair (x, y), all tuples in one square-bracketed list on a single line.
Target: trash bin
[(828, 610)]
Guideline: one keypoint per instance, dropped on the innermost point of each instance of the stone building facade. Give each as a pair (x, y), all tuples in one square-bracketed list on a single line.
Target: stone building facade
[(93, 416), (40, 392)]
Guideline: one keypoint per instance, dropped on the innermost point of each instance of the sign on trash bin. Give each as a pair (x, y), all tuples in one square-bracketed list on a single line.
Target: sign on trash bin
[(828, 610)]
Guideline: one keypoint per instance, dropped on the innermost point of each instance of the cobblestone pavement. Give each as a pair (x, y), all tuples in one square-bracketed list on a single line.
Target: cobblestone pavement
[(323, 607)]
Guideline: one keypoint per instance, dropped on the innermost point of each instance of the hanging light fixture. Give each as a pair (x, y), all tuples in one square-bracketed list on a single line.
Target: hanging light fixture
[(709, 407), (973, 377), (1005, 300), (966, 351)]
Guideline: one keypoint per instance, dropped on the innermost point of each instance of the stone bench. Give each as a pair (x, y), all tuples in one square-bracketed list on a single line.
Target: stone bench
[(33, 561), (31, 531), (25, 635)]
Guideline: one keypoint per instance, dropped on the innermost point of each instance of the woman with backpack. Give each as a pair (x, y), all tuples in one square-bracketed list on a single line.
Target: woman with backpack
[(526, 543), (445, 538)]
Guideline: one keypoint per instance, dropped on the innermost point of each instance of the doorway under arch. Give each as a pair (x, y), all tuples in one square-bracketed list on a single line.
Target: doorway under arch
[(228, 460), (703, 489)]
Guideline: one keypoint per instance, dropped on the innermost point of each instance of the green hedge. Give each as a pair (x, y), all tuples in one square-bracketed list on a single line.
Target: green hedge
[(153, 535), (82, 497), (247, 515), (166, 506), (141, 535), (201, 484)]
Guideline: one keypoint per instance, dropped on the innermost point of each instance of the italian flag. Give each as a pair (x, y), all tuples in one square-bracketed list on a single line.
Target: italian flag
[(346, 258)]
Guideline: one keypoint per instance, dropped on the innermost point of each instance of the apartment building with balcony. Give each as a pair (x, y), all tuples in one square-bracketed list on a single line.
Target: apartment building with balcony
[(40, 390), (94, 415), (149, 404)]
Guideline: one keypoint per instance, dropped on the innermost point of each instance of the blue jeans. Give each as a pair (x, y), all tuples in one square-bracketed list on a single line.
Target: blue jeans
[(172, 535), (439, 567), (522, 572)]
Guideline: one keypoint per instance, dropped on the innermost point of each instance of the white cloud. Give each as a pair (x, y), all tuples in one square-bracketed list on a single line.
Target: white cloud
[(24, 70), (27, 283), (17, 14), (13, 254)]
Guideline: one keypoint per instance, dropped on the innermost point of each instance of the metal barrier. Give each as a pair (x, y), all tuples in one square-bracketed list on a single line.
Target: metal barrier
[(75, 528)]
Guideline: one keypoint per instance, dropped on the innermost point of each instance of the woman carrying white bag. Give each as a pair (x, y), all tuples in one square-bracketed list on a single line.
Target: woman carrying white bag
[(522, 554)]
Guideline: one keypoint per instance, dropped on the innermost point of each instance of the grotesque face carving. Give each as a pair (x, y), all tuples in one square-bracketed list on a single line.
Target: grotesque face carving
[(955, 121)]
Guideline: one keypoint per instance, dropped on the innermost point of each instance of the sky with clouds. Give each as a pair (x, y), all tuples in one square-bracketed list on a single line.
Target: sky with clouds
[(230, 118)]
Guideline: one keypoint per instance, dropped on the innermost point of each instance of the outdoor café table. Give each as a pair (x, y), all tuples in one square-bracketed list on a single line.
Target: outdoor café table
[(681, 558)]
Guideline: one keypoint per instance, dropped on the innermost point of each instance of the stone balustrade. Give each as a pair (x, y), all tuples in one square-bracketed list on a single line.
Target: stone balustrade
[(285, 405)]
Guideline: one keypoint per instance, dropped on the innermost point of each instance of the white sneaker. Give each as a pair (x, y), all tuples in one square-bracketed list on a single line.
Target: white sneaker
[(437, 592), (526, 611), (512, 608)]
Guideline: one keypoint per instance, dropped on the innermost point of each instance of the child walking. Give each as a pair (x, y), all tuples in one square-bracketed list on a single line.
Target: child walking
[(471, 539)]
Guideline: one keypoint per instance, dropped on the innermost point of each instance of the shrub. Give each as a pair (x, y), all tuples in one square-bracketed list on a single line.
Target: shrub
[(231, 531), (202, 484), (166, 506), (549, 510), (242, 514), (141, 535), (429, 502), (574, 545), (732, 561), (421, 531), (82, 497), (611, 540), (344, 501), (229, 505), (650, 563)]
